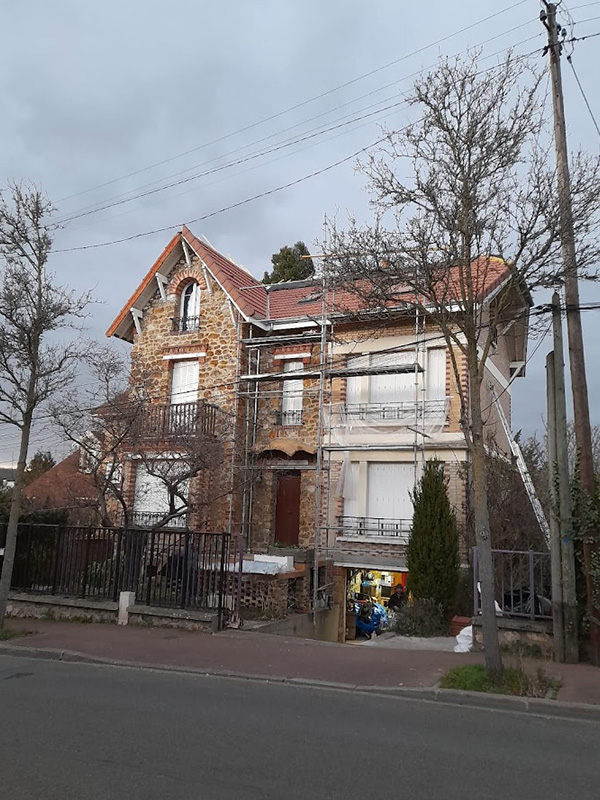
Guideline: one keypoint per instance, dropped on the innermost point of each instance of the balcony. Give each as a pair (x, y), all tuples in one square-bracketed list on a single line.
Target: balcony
[(161, 422), (289, 418), (396, 412), (148, 519), (375, 527), (185, 324)]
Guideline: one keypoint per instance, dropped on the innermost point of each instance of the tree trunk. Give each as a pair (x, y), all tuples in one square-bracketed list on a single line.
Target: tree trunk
[(493, 659), (13, 520)]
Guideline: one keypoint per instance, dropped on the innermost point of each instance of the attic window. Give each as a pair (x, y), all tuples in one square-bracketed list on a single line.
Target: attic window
[(189, 309)]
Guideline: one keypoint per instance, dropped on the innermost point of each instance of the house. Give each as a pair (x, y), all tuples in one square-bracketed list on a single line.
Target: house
[(65, 487), (330, 415)]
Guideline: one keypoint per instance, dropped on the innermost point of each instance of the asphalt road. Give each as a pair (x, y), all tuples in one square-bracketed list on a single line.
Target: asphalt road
[(81, 732)]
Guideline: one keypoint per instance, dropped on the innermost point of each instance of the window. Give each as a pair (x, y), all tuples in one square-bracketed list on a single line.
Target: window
[(151, 498), (388, 490), (189, 312), (291, 404), (394, 387), (184, 382)]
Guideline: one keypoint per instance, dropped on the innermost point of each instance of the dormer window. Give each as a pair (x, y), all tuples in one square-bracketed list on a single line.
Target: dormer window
[(189, 309)]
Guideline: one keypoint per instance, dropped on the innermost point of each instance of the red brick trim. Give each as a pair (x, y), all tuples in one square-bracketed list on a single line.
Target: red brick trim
[(185, 276)]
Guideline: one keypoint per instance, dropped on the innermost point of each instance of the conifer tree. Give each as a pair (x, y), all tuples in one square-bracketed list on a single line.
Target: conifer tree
[(432, 554)]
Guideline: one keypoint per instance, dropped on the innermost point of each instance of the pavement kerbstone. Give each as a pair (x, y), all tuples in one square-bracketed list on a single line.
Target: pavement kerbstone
[(538, 706)]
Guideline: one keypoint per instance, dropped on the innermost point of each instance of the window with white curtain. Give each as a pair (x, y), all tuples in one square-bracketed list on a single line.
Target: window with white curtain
[(189, 310), (395, 387), (291, 402)]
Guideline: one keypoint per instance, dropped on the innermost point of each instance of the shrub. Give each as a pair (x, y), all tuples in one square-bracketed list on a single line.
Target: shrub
[(421, 618), (432, 554)]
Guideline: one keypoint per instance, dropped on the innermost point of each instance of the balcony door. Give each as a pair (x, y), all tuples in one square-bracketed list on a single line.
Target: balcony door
[(184, 394), (184, 381), (388, 490)]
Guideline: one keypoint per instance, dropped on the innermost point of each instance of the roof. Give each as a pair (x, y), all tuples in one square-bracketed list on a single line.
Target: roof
[(277, 302), (64, 485)]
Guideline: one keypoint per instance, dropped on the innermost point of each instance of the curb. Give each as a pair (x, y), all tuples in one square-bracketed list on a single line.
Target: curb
[(455, 697)]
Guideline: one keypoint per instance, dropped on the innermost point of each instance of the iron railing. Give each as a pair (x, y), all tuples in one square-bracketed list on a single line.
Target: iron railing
[(522, 583), (289, 418), (398, 529), (185, 324), (165, 568), (178, 420), (396, 411)]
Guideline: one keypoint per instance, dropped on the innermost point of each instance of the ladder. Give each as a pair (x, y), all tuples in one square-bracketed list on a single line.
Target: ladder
[(522, 467)]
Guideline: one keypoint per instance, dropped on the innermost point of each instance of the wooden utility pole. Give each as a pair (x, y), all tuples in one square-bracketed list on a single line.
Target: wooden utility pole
[(581, 415), (565, 510), (558, 632)]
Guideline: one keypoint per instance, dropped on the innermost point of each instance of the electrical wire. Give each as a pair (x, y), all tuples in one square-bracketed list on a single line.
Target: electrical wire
[(130, 195), (300, 104), (583, 94)]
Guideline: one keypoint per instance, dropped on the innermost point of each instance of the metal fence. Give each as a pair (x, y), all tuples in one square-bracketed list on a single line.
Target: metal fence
[(165, 568), (522, 583)]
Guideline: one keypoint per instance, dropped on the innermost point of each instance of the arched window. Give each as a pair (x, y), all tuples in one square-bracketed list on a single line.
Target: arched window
[(189, 312)]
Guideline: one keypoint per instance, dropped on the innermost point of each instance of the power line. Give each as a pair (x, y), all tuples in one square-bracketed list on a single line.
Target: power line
[(298, 105), (129, 195), (583, 94)]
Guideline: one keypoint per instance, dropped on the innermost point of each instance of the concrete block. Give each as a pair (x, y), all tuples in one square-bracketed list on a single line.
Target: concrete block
[(126, 599)]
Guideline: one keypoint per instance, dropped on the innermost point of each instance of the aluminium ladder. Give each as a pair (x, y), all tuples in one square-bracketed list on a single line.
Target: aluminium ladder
[(524, 472)]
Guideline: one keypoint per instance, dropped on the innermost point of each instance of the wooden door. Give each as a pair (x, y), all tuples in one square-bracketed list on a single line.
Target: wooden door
[(287, 510)]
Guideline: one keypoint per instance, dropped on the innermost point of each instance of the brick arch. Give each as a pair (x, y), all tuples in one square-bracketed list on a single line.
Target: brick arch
[(182, 278)]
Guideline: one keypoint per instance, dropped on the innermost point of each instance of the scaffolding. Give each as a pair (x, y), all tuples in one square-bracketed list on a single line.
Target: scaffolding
[(256, 384)]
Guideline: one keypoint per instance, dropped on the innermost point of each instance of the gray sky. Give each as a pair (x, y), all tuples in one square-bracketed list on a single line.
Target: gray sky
[(90, 93)]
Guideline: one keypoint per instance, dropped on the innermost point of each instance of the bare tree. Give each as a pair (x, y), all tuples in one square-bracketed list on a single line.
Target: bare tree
[(466, 238), (115, 425), (33, 308)]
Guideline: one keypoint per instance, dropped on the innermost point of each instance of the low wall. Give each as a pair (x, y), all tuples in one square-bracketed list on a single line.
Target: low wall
[(301, 625), (148, 616), (72, 609), (537, 633), (39, 606)]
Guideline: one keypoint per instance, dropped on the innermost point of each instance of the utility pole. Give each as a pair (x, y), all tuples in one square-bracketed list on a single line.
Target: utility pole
[(583, 434), (558, 632), (565, 511)]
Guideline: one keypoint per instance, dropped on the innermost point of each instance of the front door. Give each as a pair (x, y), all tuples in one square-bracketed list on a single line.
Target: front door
[(287, 510)]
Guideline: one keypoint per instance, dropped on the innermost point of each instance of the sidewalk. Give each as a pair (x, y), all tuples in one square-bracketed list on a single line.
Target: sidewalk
[(265, 655)]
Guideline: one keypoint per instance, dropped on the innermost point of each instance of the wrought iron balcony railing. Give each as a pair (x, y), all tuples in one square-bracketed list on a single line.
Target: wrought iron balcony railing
[(398, 529), (148, 519), (185, 324), (178, 419), (289, 418)]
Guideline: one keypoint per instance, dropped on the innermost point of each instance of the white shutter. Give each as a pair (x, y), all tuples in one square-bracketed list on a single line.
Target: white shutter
[(395, 387), (292, 388), (351, 490), (354, 382), (388, 490), (151, 495), (436, 373), (184, 381)]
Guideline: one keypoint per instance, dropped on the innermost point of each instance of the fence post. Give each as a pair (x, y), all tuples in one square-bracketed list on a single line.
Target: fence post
[(149, 567), (117, 588), (531, 586), (224, 540), (475, 582), (186, 561), (57, 558), (85, 564)]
